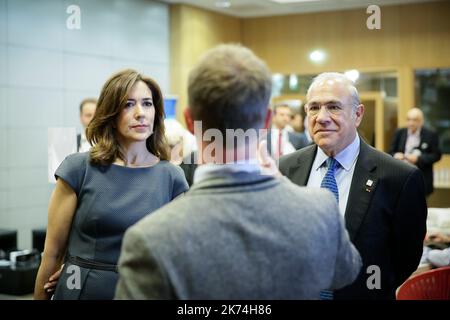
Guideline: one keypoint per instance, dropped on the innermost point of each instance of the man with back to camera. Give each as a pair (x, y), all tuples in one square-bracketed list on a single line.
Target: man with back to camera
[(87, 111), (418, 146), (237, 233), (381, 199)]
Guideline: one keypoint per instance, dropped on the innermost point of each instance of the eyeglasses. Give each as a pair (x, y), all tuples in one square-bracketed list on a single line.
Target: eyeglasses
[(332, 108)]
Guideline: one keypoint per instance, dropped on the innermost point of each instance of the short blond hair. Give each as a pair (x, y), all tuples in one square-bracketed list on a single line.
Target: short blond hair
[(230, 88)]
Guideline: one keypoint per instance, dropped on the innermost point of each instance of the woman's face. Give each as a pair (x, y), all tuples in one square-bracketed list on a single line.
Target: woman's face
[(135, 121)]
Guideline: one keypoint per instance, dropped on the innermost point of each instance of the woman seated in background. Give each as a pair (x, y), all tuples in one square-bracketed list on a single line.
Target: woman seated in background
[(100, 193)]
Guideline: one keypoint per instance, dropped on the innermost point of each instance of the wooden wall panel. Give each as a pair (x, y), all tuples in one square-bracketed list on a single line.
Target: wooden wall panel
[(193, 31), (411, 35)]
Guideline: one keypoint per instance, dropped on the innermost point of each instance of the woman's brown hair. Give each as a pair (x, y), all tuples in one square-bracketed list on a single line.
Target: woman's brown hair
[(101, 132)]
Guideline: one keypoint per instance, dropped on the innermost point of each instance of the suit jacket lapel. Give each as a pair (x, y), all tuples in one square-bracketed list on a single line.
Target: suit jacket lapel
[(403, 137), (423, 137), (362, 188), (299, 173), (269, 141)]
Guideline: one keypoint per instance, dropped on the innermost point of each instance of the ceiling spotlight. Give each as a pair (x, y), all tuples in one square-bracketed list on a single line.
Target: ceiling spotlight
[(317, 56), (352, 74), (223, 4), (293, 82), (292, 1)]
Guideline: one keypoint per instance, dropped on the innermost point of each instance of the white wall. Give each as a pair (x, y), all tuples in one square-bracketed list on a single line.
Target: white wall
[(47, 69)]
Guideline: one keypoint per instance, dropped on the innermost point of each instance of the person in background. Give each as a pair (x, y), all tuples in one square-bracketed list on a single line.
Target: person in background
[(296, 122), (418, 146), (100, 193), (437, 252), (298, 127), (381, 199), (179, 140), (281, 141), (87, 111), (190, 161), (238, 233)]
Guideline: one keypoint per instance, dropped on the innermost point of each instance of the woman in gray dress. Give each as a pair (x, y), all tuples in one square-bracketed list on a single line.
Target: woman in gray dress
[(100, 193)]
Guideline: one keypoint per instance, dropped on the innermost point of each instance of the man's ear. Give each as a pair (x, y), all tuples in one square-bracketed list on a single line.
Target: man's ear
[(359, 114), (268, 118), (188, 119)]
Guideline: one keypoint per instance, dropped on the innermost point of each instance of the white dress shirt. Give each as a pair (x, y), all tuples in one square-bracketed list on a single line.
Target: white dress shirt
[(412, 141), (207, 170), (84, 144), (344, 173), (286, 146)]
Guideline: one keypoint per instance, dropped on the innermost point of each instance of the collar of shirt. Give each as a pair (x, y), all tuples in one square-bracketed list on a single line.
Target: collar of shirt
[(206, 171), (346, 157), (415, 134), (275, 132)]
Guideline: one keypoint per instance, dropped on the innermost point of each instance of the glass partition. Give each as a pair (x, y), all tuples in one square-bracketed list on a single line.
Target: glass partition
[(432, 93)]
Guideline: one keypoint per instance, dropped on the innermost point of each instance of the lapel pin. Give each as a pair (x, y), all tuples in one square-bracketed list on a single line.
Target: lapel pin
[(369, 184)]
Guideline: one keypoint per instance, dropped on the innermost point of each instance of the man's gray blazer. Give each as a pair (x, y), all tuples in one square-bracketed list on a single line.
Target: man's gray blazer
[(239, 236)]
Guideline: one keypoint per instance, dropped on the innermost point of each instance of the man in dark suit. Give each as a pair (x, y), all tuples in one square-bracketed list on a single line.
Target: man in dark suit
[(381, 199), (87, 111), (417, 145)]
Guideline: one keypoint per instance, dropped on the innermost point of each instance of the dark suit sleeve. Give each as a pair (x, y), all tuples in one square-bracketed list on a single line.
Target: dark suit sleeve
[(284, 164), (348, 260), (409, 227), (140, 275), (395, 145), (433, 154), (78, 142)]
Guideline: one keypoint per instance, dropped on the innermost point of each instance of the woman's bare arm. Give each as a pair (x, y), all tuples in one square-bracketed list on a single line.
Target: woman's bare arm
[(62, 206)]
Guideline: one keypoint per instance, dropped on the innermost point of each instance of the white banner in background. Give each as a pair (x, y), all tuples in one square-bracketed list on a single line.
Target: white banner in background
[(61, 143)]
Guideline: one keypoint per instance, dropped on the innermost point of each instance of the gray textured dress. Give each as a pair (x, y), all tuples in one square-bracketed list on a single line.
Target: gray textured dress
[(110, 199)]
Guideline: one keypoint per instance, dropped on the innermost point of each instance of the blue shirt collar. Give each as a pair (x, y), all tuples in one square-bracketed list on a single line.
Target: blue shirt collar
[(346, 157)]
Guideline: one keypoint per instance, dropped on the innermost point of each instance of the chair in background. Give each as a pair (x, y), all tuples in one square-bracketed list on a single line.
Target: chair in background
[(429, 285), (38, 238)]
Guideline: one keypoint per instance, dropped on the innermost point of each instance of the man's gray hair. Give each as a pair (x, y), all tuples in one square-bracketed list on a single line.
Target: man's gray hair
[(337, 77), (230, 88)]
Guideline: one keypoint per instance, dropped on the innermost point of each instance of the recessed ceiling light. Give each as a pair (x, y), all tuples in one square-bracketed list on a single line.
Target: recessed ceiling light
[(293, 82), (223, 4), (352, 74), (292, 1), (317, 56)]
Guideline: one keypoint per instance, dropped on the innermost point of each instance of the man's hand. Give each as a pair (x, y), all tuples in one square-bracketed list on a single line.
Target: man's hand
[(267, 163), (412, 158), (399, 155), (50, 286), (439, 237)]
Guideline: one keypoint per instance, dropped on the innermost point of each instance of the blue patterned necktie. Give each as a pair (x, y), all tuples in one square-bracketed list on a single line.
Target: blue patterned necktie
[(329, 182)]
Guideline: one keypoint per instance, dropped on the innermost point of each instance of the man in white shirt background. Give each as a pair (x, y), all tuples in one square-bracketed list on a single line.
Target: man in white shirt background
[(280, 141), (418, 146), (87, 111)]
